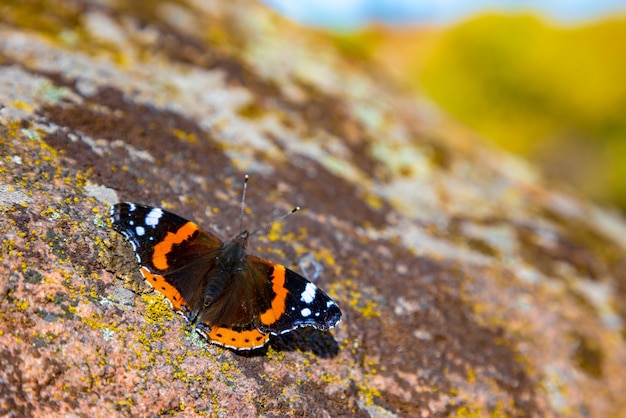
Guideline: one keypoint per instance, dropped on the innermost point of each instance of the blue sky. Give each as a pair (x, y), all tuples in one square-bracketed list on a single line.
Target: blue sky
[(351, 13)]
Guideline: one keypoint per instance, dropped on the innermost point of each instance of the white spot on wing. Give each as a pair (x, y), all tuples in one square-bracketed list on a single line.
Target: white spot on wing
[(152, 219), (309, 293), (140, 230), (305, 312)]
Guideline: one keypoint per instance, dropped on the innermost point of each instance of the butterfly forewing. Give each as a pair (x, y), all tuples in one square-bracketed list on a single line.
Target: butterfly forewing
[(299, 303), (171, 251)]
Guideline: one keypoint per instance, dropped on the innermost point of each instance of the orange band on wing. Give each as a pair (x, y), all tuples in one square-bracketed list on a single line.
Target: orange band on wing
[(242, 340), (162, 286), (163, 248), (278, 303)]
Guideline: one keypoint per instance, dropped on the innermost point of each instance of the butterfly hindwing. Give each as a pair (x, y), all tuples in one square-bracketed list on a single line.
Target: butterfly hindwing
[(231, 320), (246, 295)]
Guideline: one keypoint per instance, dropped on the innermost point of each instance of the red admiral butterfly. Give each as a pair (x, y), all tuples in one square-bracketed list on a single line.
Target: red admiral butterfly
[(236, 300)]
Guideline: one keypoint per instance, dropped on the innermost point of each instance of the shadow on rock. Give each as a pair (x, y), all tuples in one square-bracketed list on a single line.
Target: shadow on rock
[(320, 343)]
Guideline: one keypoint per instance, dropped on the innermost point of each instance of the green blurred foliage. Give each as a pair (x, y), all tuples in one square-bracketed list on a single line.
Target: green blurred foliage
[(554, 94)]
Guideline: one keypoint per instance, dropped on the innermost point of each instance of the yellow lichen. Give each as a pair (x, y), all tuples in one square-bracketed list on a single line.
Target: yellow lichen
[(185, 136), (157, 310)]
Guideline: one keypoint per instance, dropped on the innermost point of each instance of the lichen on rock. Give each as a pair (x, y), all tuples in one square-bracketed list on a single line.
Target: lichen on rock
[(469, 286)]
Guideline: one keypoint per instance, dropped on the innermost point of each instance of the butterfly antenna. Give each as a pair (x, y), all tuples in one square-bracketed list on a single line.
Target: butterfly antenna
[(243, 202), (279, 219)]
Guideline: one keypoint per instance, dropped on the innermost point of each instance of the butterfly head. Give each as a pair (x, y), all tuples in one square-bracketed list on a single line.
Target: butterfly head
[(232, 255)]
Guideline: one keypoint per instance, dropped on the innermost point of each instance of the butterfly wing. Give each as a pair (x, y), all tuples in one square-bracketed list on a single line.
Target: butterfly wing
[(174, 254), (263, 299), (231, 320), (296, 302)]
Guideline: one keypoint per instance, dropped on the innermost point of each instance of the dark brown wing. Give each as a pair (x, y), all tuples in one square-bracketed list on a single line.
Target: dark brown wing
[(245, 296), (266, 298)]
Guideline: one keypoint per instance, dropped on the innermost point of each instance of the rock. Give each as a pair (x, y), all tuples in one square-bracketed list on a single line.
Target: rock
[(469, 286)]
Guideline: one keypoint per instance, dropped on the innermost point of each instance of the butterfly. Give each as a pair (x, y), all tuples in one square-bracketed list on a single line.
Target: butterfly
[(234, 299)]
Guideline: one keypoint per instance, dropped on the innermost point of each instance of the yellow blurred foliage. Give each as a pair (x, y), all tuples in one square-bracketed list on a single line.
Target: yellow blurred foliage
[(555, 94)]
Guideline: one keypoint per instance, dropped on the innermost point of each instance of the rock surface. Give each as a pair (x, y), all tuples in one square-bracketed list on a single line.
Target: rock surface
[(469, 286)]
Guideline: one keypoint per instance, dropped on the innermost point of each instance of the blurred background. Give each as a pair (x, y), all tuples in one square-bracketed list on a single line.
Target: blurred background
[(544, 79)]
